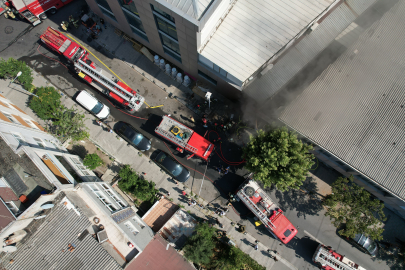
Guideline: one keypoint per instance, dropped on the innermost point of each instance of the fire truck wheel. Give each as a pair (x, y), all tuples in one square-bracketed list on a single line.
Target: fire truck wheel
[(52, 11), (43, 16)]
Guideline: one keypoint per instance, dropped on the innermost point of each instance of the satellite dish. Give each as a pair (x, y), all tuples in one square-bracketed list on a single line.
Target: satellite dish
[(9, 249), (47, 205)]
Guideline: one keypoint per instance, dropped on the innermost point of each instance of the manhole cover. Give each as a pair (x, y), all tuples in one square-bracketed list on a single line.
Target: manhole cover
[(8, 29)]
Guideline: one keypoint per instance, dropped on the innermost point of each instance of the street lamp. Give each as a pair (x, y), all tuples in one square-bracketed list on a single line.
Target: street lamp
[(18, 75)]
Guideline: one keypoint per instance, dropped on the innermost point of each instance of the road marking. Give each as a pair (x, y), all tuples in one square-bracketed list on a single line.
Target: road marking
[(313, 237)]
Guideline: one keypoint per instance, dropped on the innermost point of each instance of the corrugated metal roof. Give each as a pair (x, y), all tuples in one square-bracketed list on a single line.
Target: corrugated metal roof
[(193, 8), (46, 246), (254, 30), (355, 108), (302, 53)]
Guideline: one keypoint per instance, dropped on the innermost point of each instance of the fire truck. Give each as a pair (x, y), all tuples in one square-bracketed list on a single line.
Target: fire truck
[(90, 72), (185, 138), (269, 214), (34, 10), (328, 259)]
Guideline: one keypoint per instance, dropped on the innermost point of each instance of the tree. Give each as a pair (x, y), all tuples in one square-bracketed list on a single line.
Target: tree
[(200, 246), (92, 161), (232, 258), (47, 105), (11, 67), (350, 205), (139, 187), (69, 124), (278, 157)]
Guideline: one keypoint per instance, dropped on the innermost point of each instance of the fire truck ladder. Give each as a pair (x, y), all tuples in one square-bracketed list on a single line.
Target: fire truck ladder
[(263, 217), (176, 140), (54, 37), (325, 258), (109, 84)]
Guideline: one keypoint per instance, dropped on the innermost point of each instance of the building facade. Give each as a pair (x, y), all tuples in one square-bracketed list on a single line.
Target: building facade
[(229, 44)]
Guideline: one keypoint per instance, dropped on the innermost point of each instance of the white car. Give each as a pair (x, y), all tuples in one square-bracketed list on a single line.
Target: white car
[(92, 104)]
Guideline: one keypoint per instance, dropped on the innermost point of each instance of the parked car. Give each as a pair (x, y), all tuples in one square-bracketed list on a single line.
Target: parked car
[(172, 166), (363, 243), (132, 136), (92, 104)]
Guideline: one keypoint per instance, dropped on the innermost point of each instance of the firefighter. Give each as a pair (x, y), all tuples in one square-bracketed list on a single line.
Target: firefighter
[(64, 25), (73, 21), (9, 14)]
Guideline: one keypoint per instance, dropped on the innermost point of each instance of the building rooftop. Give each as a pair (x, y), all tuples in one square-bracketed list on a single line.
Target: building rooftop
[(178, 228), (22, 175), (193, 8), (355, 108), (157, 257), (254, 31), (159, 214), (59, 241)]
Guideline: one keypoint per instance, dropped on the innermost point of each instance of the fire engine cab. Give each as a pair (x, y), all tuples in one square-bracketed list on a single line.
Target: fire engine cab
[(328, 259)]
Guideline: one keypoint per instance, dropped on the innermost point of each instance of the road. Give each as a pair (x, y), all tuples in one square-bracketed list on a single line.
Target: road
[(303, 212)]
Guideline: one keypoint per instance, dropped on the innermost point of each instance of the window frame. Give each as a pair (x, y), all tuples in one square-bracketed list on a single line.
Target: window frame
[(40, 142), (207, 77), (157, 11), (106, 12), (137, 31), (20, 140), (11, 118)]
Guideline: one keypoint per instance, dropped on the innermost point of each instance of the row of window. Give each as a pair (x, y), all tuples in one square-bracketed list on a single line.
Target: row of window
[(164, 22), (15, 121), (38, 141), (106, 201), (80, 166)]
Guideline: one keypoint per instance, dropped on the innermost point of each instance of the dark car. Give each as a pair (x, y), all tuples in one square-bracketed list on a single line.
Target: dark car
[(172, 167), (133, 136), (364, 243)]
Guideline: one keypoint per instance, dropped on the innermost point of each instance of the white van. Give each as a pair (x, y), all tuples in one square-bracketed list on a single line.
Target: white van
[(93, 105)]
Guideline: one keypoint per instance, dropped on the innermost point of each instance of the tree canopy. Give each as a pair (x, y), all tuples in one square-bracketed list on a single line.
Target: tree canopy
[(47, 104), (352, 206), (92, 161), (200, 245), (139, 187), (278, 157)]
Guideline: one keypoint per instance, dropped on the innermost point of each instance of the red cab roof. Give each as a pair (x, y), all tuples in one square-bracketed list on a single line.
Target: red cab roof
[(284, 229), (204, 147)]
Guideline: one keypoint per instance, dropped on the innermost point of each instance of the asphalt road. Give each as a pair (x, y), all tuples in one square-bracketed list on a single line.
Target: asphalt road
[(303, 212)]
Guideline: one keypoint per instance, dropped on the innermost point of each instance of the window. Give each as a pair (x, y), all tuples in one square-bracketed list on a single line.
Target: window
[(12, 207), (170, 43), (138, 221), (75, 160), (131, 227), (29, 122), (105, 8), (166, 27), (162, 13), (220, 70), (136, 24), (112, 195), (104, 200), (39, 142), (11, 118), (208, 78), (19, 138), (172, 54), (129, 5)]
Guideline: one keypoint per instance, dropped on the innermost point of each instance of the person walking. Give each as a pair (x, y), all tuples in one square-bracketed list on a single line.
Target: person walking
[(204, 120), (103, 23), (111, 131), (256, 246), (99, 123)]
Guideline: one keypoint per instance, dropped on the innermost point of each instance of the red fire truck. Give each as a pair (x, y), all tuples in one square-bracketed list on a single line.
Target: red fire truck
[(184, 137), (34, 10), (90, 72), (328, 259), (270, 215)]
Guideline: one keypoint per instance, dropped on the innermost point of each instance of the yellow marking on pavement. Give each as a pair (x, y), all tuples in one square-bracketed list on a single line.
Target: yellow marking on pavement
[(156, 106), (98, 60)]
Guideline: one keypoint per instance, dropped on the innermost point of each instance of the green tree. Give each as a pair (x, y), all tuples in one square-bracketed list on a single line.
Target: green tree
[(353, 209), (139, 187), (200, 246), (232, 258), (92, 161), (278, 157), (69, 124), (11, 67), (47, 105)]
